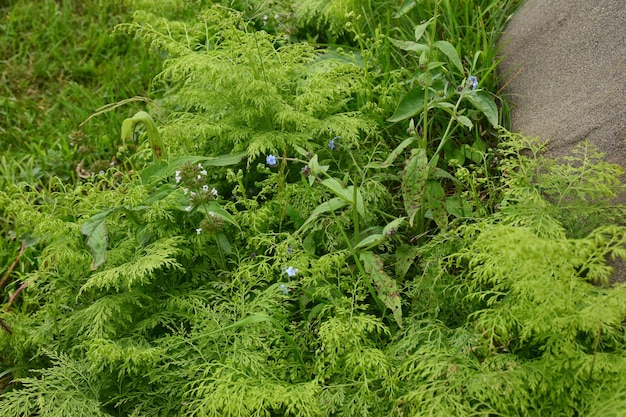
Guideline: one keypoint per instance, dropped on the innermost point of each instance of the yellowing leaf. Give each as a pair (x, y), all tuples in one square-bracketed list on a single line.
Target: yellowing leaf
[(413, 182), (385, 286)]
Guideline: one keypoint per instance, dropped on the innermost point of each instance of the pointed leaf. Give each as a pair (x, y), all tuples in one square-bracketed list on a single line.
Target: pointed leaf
[(410, 105), (317, 170), (405, 256), (392, 227), (420, 29), (404, 9), (370, 241), (458, 207), (435, 196), (216, 209), (449, 50), (97, 238), (410, 46), (347, 193), (484, 103), (393, 155), (465, 121), (327, 206), (414, 181), (385, 286)]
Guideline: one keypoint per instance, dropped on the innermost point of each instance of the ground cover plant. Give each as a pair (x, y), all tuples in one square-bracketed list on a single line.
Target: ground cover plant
[(321, 215)]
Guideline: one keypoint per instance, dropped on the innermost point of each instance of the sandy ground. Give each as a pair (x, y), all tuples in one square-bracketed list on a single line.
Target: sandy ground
[(564, 68), (565, 61)]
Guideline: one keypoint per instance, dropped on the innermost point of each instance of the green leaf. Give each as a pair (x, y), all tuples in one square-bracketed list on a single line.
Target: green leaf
[(28, 240), (420, 29), (410, 46), (163, 169), (128, 126), (436, 172), (404, 9), (449, 50), (405, 256), (410, 105), (347, 193), (97, 238), (216, 209), (327, 206), (392, 227), (435, 196), (480, 145), (484, 103), (370, 241), (223, 243), (393, 155), (317, 170), (414, 181), (161, 192), (465, 121), (337, 188), (386, 287), (458, 207)]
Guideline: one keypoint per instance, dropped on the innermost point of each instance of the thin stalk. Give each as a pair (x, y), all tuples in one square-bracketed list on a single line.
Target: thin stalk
[(359, 266), (5, 278), (446, 134)]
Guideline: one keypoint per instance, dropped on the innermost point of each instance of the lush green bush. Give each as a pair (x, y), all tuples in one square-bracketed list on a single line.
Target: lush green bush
[(318, 230)]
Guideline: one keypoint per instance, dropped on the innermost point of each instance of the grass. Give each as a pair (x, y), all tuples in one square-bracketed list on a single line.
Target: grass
[(59, 61)]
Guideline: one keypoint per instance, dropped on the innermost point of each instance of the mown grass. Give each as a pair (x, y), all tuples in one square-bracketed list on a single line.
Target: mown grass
[(59, 61)]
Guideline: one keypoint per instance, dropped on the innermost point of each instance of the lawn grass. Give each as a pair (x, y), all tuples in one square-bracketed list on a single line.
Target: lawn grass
[(59, 61)]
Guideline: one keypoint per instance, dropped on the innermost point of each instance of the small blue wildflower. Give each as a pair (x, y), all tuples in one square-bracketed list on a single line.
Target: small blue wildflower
[(331, 144), (270, 160), (284, 289), (473, 81), (289, 250), (291, 271)]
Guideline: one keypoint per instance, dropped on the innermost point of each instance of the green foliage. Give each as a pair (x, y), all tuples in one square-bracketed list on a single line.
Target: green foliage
[(291, 252), (249, 90), (60, 62)]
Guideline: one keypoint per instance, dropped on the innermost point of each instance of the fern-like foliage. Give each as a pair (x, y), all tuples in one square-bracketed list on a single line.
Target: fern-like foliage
[(299, 287), (539, 320), (250, 90)]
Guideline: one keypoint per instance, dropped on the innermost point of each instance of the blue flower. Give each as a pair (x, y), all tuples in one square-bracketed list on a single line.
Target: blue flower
[(331, 144), (270, 160), (291, 271), (284, 289), (473, 82)]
